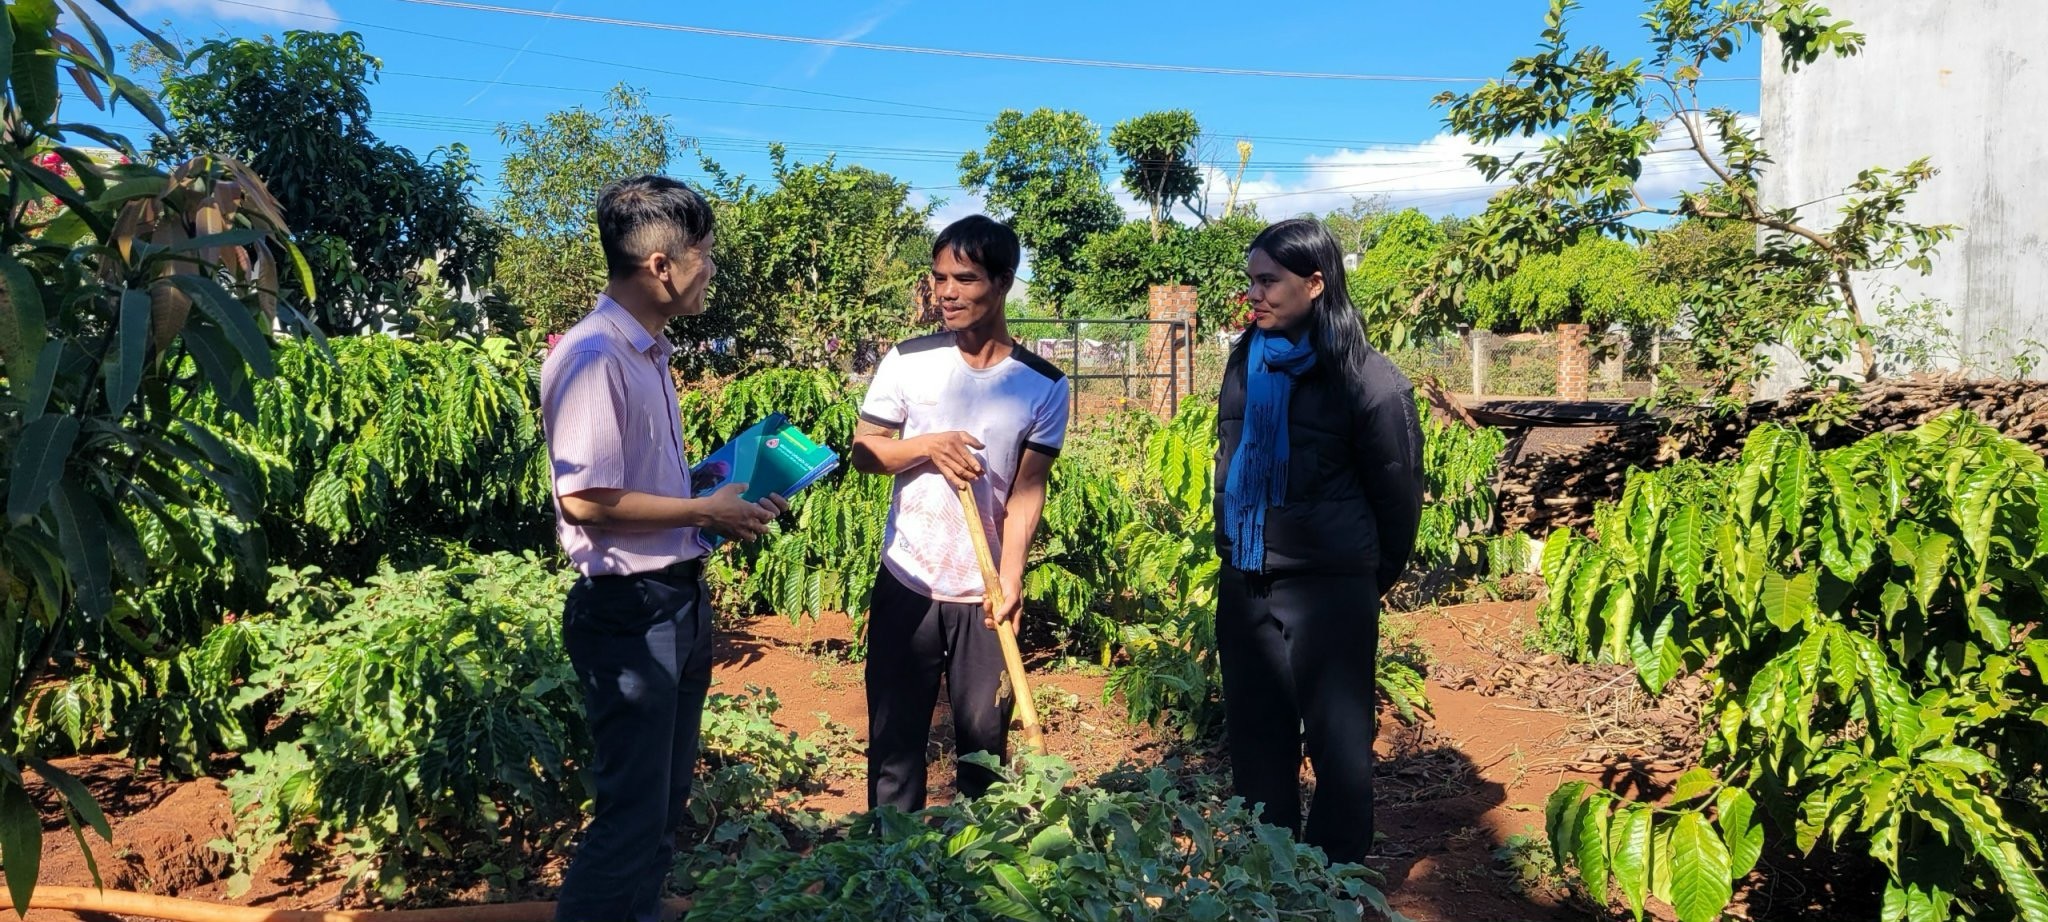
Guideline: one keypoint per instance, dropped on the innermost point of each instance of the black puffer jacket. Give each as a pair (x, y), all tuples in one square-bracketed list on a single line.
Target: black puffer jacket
[(1354, 472)]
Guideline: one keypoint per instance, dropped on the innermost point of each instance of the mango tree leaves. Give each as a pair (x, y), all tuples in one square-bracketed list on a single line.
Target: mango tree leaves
[(21, 838), (38, 463), (125, 365), (87, 453), (23, 327), (33, 82)]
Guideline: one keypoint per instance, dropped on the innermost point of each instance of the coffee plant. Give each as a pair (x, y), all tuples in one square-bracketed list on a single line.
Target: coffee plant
[(748, 761), (360, 453), (1036, 849), (387, 436), (1458, 464), (1169, 579), (433, 714), (435, 700), (1867, 617)]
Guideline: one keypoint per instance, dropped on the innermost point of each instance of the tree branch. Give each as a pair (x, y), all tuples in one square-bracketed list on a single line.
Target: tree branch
[(1764, 220)]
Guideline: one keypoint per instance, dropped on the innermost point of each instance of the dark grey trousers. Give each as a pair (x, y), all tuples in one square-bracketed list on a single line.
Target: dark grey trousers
[(641, 646)]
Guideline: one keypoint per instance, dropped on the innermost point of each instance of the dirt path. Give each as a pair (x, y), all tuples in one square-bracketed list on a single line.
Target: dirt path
[(1454, 789)]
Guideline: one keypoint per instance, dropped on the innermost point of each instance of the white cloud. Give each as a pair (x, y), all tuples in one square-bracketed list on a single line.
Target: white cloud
[(1433, 176), (874, 18), (957, 205), (302, 13)]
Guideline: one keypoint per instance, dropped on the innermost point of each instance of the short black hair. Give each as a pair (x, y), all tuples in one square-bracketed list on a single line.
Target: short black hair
[(983, 241), (641, 216)]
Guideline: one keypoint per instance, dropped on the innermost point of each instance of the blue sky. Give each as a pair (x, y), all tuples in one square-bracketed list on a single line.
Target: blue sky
[(452, 74)]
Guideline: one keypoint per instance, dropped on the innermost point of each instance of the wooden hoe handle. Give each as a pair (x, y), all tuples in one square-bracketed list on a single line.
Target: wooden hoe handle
[(992, 583)]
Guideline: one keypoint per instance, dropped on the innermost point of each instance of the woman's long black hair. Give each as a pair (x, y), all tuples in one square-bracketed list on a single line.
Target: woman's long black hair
[(1304, 247)]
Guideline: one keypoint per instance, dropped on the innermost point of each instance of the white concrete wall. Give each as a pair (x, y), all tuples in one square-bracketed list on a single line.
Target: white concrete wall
[(1965, 83)]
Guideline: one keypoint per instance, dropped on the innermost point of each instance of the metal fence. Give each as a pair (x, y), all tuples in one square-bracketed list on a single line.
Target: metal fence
[(1478, 363), (1115, 363)]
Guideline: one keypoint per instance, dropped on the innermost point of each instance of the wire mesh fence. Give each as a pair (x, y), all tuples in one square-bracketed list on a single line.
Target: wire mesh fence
[(1114, 365), (1624, 365)]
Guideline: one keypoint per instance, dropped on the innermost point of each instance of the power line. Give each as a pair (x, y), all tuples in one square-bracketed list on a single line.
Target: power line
[(941, 52), (586, 60), (961, 52), (977, 120)]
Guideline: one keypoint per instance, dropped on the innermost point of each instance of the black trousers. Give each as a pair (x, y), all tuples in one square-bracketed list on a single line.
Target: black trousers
[(641, 646), (1298, 654), (912, 642)]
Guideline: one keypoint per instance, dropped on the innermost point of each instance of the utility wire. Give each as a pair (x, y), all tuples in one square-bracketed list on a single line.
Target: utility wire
[(940, 52), (586, 60)]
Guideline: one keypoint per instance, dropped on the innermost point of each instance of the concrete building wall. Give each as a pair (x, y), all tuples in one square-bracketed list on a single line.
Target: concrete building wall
[(1965, 83)]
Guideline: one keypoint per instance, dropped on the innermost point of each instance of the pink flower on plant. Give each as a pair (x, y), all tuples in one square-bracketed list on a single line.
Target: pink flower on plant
[(553, 338)]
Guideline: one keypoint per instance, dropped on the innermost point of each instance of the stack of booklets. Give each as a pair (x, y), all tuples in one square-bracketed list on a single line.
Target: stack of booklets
[(771, 456)]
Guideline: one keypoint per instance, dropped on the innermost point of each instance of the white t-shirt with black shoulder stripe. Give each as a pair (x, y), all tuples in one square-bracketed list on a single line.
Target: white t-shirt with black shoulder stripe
[(1016, 405)]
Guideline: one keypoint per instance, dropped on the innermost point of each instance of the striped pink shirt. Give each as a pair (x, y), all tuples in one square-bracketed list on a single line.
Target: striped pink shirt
[(608, 405)]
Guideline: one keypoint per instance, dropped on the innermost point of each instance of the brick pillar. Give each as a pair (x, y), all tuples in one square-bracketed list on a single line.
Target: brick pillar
[(1574, 361), (1168, 349)]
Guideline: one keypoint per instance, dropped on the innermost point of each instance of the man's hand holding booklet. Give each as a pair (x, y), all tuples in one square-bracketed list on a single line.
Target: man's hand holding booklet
[(772, 456)]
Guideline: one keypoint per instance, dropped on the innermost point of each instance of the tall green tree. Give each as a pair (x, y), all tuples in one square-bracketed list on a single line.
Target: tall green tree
[(1695, 248), (1157, 149), (1353, 225), (1597, 281), (126, 290), (1394, 285), (1118, 267), (813, 271), (551, 264), (1043, 173), (1603, 116), (367, 213)]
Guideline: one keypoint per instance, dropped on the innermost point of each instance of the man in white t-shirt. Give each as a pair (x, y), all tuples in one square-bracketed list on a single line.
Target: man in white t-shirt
[(967, 405)]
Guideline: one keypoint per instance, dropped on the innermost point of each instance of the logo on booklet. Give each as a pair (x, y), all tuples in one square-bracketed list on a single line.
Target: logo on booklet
[(773, 442)]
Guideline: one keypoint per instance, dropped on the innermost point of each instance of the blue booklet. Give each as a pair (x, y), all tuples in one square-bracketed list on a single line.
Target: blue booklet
[(771, 456)]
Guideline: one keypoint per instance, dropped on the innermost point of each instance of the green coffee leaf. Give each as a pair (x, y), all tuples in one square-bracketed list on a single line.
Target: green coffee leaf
[(1700, 885)]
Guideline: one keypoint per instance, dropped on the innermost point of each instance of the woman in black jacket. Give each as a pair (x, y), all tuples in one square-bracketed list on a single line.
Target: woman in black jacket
[(1319, 491)]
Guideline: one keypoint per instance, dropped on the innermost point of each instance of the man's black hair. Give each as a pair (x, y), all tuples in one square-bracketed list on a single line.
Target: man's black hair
[(639, 217), (983, 241)]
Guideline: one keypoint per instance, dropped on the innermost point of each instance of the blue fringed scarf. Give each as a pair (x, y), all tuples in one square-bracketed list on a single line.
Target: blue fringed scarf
[(1258, 472)]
